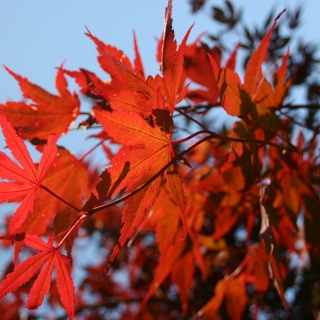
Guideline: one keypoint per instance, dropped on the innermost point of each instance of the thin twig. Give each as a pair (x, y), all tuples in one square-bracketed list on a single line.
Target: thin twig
[(194, 108), (145, 184), (74, 225), (191, 119), (312, 106), (92, 149), (56, 196), (130, 194)]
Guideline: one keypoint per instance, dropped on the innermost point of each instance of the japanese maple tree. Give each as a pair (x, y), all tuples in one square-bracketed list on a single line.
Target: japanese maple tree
[(204, 224)]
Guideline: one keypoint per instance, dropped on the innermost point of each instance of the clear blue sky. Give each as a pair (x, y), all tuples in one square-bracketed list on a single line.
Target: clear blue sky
[(37, 36)]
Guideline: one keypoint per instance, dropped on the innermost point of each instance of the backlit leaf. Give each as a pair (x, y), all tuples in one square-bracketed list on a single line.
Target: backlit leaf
[(23, 272), (38, 118), (27, 178)]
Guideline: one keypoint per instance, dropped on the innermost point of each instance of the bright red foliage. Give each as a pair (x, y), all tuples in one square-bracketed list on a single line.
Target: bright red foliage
[(28, 178), (50, 257), (187, 199)]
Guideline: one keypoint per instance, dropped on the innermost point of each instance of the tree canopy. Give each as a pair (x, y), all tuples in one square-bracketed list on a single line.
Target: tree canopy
[(186, 220)]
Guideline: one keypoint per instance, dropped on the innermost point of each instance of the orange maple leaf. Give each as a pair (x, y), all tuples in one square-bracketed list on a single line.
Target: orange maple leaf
[(233, 95), (39, 118)]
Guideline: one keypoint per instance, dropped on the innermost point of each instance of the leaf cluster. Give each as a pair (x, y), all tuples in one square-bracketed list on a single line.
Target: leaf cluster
[(202, 222)]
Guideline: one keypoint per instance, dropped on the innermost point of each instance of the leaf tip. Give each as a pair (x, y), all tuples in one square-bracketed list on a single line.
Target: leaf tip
[(109, 265), (280, 14)]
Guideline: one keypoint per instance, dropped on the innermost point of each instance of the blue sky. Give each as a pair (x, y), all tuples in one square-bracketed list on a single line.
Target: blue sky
[(37, 36)]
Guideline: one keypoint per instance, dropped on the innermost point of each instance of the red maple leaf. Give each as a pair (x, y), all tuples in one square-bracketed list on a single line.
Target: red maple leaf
[(50, 257), (172, 261), (38, 118), (172, 61), (68, 179), (230, 290), (148, 151), (141, 120), (128, 86), (25, 179), (198, 69)]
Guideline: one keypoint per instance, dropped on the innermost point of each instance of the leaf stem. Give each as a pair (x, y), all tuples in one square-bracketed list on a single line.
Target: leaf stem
[(314, 129), (75, 128), (158, 174), (130, 194), (191, 119), (194, 108), (74, 225), (189, 137), (92, 149), (111, 203), (227, 138), (312, 106), (56, 196)]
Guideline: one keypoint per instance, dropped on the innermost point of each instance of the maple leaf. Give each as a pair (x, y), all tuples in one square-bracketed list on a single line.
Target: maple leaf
[(267, 97), (110, 59), (198, 69), (108, 65), (86, 79), (51, 258), (193, 219), (245, 130), (233, 95), (138, 65), (210, 310), (229, 179), (281, 84), (68, 179), (25, 179), (293, 188), (163, 220), (176, 253), (39, 119), (236, 297), (128, 89), (182, 277), (258, 265), (128, 86), (148, 150), (233, 291), (172, 61)]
